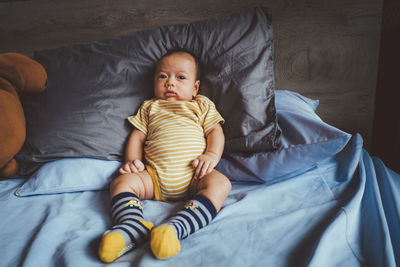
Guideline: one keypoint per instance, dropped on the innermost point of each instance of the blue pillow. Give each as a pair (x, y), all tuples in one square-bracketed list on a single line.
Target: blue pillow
[(70, 175), (305, 141)]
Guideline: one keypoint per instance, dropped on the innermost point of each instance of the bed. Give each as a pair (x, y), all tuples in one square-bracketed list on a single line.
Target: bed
[(305, 193)]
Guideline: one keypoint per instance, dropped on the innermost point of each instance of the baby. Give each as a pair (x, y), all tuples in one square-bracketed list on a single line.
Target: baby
[(179, 133)]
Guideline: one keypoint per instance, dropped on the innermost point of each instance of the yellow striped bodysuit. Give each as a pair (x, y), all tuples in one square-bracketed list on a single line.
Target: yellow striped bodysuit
[(175, 136)]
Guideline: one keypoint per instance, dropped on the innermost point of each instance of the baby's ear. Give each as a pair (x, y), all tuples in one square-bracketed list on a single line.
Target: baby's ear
[(196, 87)]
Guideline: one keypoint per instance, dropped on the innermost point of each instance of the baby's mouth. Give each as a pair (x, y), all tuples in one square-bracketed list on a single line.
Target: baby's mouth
[(170, 94)]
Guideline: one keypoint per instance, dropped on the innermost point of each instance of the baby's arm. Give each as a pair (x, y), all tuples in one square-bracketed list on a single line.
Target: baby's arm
[(206, 162), (134, 153)]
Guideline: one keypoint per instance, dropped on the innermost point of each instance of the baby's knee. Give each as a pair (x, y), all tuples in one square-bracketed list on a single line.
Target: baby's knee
[(138, 183), (119, 181), (226, 184), (126, 183), (221, 183)]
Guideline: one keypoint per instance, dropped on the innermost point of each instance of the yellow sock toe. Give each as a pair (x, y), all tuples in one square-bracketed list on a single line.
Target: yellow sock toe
[(164, 242), (111, 246)]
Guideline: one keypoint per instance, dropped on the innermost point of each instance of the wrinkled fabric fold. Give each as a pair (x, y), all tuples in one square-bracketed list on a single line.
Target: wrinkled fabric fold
[(343, 212)]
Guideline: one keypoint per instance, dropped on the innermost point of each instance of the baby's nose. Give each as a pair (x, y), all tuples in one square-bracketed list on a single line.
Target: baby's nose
[(170, 82)]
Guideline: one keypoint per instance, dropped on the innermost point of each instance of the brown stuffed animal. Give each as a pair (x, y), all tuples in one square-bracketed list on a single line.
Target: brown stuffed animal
[(18, 73)]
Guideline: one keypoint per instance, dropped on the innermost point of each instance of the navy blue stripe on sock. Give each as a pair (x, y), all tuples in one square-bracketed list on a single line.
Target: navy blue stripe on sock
[(192, 227), (179, 229), (117, 215), (196, 217), (121, 196), (207, 203), (182, 226), (140, 232), (205, 216)]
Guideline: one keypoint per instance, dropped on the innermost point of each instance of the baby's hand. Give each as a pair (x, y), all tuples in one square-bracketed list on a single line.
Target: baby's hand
[(132, 167), (204, 164)]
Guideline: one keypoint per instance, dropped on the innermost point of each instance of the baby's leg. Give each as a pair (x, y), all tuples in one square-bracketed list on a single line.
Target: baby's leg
[(215, 186), (129, 229), (209, 194)]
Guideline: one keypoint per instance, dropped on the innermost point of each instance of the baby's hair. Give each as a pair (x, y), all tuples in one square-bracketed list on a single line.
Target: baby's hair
[(181, 50)]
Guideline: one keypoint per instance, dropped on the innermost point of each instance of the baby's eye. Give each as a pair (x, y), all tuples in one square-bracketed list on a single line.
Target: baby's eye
[(162, 76), (180, 77)]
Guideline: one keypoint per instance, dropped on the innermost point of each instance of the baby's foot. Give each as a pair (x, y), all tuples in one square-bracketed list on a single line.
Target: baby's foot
[(164, 242), (113, 243), (196, 214)]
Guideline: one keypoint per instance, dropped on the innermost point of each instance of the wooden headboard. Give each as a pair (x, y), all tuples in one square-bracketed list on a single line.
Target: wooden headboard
[(324, 49)]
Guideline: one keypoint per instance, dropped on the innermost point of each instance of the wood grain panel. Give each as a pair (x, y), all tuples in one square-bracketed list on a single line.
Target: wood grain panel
[(329, 51), (386, 132), (323, 49)]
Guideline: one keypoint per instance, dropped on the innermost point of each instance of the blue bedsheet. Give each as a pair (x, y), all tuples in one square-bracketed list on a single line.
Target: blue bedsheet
[(343, 211)]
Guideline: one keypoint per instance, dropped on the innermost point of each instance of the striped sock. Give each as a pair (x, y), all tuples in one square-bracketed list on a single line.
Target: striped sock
[(129, 228), (196, 214)]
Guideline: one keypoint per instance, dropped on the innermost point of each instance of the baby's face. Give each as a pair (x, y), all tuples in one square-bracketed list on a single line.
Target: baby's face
[(175, 78)]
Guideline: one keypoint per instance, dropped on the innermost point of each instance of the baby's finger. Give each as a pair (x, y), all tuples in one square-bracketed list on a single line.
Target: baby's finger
[(195, 163), (198, 170), (125, 169), (204, 169), (139, 165), (132, 168)]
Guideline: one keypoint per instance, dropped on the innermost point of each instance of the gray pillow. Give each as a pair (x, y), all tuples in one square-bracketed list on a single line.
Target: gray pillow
[(93, 87)]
